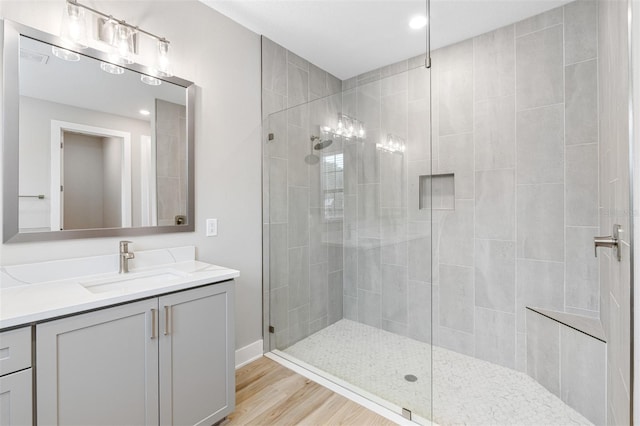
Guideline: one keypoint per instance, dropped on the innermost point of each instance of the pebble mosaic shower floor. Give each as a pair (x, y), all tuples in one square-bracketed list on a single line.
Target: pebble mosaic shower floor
[(467, 390)]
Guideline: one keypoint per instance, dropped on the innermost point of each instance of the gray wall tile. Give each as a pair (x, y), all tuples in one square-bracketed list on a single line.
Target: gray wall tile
[(521, 352), (297, 85), (318, 235), (495, 133), (418, 142), (580, 31), (543, 351), (419, 311), (540, 285), (539, 68), (494, 63), (540, 222), (274, 67), (583, 374), (299, 144), (581, 105), (317, 82), (495, 204), (335, 297), (540, 145), (456, 156), (298, 324), (393, 178), (495, 275), (278, 255), (455, 83), (279, 308), (299, 289), (350, 274), (368, 163), (582, 185), (419, 259), (394, 293), (298, 61), (319, 291), (456, 298), (456, 340), (278, 197), (350, 308), (495, 336), (369, 266), (369, 211), (456, 236), (369, 308), (298, 216), (540, 21)]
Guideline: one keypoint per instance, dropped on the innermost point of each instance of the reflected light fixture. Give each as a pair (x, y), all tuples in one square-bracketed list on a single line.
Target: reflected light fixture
[(151, 81), (393, 144), (348, 127), (111, 68), (418, 22), (144, 112), (65, 54)]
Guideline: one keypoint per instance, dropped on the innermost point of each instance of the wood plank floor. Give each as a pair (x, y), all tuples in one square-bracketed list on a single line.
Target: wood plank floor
[(270, 394)]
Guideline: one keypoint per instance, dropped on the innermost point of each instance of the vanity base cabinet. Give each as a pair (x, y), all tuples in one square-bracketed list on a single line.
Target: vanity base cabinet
[(16, 408), (167, 360), (197, 357), (99, 368)]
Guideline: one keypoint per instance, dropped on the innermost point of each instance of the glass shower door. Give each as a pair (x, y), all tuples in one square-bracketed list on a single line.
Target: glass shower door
[(349, 226)]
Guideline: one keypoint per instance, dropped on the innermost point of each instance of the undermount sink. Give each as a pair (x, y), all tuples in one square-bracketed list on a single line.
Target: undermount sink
[(133, 281)]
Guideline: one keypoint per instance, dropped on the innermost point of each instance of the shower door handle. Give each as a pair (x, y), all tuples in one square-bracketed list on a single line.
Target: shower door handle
[(610, 241)]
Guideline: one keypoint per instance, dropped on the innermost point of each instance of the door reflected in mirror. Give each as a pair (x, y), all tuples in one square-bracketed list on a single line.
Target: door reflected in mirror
[(98, 149)]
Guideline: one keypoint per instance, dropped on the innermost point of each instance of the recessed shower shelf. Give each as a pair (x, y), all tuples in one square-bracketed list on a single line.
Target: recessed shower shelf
[(589, 326), (439, 189)]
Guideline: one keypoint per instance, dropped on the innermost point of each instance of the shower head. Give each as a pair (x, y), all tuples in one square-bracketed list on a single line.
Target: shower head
[(322, 144)]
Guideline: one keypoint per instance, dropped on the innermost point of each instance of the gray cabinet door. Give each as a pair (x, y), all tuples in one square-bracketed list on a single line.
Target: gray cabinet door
[(197, 382), (99, 368), (15, 399)]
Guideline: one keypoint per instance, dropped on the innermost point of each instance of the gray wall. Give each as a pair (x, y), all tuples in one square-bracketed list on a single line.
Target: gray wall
[(614, 202), (223, 59), (303, 250)]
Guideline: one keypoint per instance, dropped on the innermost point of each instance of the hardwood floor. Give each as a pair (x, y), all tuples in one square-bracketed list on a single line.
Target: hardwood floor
[(270, 394)]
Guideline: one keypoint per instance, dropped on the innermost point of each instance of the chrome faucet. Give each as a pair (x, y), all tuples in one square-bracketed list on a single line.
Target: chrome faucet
[(125, 256)]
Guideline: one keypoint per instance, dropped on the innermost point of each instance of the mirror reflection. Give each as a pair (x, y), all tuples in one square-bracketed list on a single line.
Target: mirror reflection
[(100, 146)]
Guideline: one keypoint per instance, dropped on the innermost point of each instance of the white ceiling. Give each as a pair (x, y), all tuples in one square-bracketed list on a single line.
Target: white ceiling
[(350, 37)]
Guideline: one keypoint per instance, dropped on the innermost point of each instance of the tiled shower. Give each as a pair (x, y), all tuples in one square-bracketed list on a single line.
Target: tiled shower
[(488, 204)]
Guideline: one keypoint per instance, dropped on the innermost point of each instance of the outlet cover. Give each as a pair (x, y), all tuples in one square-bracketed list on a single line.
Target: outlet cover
[(212, 227)]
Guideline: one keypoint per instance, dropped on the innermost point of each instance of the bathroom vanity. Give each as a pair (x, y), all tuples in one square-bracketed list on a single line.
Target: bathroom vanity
[(153, 346)]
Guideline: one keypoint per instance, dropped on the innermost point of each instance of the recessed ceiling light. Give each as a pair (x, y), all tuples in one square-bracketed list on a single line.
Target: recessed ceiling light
[(144, 112), (418, 22)]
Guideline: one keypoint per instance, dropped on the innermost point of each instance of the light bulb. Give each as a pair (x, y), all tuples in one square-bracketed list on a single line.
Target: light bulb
[(73, 28), (123, 43)]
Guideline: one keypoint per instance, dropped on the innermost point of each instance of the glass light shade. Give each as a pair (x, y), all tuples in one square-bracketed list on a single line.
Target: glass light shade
[(111, 68), (74, 25), (65, 54), (151, 81), (163, 67), (123, 43)]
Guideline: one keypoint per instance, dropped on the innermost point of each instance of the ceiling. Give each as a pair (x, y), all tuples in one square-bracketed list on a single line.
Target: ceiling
[(350, 37)]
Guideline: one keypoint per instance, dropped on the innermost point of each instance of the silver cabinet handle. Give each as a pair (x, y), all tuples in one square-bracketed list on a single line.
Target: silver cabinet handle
[(610, 241), (153, 324), (167, 310)]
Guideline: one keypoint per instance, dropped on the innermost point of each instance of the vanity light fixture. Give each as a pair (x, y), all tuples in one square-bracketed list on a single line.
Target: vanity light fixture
[(65, 54), (117, 33), (151, 81)]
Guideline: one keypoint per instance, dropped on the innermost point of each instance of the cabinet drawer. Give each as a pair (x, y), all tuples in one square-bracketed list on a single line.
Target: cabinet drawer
[(15, 350)]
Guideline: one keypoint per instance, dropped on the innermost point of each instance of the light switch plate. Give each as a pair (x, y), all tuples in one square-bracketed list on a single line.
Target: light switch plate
[(212, 227)]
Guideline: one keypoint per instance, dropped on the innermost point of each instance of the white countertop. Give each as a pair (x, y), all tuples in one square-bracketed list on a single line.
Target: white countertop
[(40, 291)]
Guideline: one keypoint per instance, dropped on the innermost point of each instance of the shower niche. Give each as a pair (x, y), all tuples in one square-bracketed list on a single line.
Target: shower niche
[(438, 189)]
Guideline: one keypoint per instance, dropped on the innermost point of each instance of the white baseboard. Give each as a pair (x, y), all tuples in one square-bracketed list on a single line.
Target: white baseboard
[(249, 353)]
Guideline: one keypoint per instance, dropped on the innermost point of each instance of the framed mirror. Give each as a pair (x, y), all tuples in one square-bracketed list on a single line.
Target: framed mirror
[(91, 148)]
